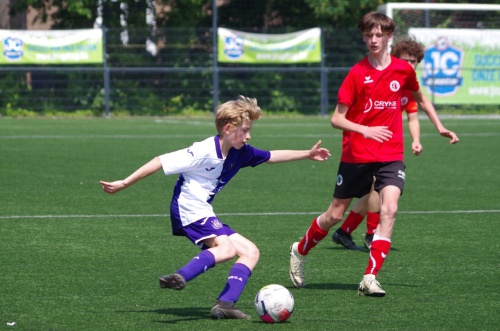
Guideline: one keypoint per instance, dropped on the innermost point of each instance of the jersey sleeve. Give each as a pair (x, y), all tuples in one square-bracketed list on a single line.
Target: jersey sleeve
[(347, 90), (412, 82), (183, 160), (408, 103), (256, 156)]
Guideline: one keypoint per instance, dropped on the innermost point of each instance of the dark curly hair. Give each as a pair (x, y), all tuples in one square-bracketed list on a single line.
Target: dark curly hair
[(408, 46)]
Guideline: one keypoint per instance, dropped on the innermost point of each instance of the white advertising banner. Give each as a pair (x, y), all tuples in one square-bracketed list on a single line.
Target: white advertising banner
[(51, 46), (460, 66)]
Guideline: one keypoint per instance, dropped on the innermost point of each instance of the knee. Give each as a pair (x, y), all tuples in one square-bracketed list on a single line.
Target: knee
[(253, 253), (329, 219), (229, 252), (389, 209)]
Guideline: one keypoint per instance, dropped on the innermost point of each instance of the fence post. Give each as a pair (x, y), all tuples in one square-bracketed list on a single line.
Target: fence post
[(324, 79), (433, 84), (215, 68), (105, 71)]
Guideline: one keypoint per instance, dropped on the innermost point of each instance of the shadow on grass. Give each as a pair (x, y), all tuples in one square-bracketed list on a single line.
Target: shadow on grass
[(188, 314), (326, 286), (184, 314), (362, 249)]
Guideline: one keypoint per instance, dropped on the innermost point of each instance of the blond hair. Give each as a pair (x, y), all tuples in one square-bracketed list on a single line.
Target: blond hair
[(236, 111)]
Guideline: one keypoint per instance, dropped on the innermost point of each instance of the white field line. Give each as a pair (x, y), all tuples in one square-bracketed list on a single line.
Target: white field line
[(198, 136), (239, 214)]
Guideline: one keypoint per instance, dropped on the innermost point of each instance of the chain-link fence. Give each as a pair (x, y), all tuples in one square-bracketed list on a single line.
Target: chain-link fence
[(177, 76)]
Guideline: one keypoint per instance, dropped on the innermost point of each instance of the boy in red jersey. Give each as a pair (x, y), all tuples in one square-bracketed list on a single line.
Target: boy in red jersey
[(369, 114), (412, 52)]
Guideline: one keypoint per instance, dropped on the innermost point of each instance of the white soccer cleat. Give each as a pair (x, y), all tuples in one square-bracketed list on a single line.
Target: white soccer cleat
[(297, 266), (369, 286)]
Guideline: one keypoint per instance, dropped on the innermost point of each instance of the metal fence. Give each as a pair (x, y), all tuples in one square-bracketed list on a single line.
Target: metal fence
[(179, 77)]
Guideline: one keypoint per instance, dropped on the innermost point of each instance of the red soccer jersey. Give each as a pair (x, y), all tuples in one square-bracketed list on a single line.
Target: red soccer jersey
[(374, 99)]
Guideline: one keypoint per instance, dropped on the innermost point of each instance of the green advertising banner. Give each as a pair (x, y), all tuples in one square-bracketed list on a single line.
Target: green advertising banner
[(51, 46), (242, 47), (460, 66)]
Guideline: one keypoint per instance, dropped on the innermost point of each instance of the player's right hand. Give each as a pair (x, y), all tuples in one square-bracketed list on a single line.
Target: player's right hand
[(377, 133), (112, 187)]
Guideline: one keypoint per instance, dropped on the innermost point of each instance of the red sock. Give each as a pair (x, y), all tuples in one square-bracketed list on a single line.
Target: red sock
[(378, 253), (351, 222), (313, 236), (372, 220)]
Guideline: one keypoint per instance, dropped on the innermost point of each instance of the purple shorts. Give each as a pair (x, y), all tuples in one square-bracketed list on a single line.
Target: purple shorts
[(209, 227)]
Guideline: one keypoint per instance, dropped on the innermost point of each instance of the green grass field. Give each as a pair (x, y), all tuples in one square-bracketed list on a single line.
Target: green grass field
[(74, 258)]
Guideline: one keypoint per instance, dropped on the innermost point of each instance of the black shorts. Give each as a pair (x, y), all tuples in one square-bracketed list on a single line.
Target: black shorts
[(354, 180)]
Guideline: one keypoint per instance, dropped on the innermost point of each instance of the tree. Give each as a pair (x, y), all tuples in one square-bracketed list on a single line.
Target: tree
[(64, 14)]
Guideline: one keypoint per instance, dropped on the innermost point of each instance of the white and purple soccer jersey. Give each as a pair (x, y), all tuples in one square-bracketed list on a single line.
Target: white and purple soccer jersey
[(203, 173)]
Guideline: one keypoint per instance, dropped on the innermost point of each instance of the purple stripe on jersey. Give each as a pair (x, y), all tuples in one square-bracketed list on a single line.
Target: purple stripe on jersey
[(175, 216), (237, 159), (217, 146)]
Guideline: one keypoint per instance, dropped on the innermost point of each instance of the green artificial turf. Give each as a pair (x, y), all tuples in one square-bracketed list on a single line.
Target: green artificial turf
[(74, 258)]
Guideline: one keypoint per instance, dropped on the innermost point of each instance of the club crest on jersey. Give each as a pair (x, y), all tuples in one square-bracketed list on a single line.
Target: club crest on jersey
[(216, 224), (404, 101), (394, 86)]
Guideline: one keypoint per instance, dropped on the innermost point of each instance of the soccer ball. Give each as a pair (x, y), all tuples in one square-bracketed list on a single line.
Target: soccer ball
[(274, 303)]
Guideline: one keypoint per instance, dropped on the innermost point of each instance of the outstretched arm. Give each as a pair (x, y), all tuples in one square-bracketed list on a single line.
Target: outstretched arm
[(148, 169), (429, 110), (316, 153)]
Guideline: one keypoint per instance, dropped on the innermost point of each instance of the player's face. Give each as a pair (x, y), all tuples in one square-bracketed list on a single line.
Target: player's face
[(412, 60), (376, 41), (240, 134)]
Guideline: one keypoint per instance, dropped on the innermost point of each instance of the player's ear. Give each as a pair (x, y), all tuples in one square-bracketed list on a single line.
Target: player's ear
[(228, 128)]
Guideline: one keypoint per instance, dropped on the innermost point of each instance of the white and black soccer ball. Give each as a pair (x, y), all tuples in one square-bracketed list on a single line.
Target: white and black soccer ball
[(274, 303)]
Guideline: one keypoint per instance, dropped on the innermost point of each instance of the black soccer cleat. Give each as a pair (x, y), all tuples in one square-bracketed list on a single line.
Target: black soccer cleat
[(226, 310), (173, 281), (345, 239), (368, 240)]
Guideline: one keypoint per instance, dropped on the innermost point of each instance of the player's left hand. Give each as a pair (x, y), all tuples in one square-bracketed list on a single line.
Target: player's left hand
[(450, 134), (416, 148), (318, 153)]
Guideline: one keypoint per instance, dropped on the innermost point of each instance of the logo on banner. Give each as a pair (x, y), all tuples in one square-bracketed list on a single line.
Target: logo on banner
[(442, 73), (13, 48), (233, 47)]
